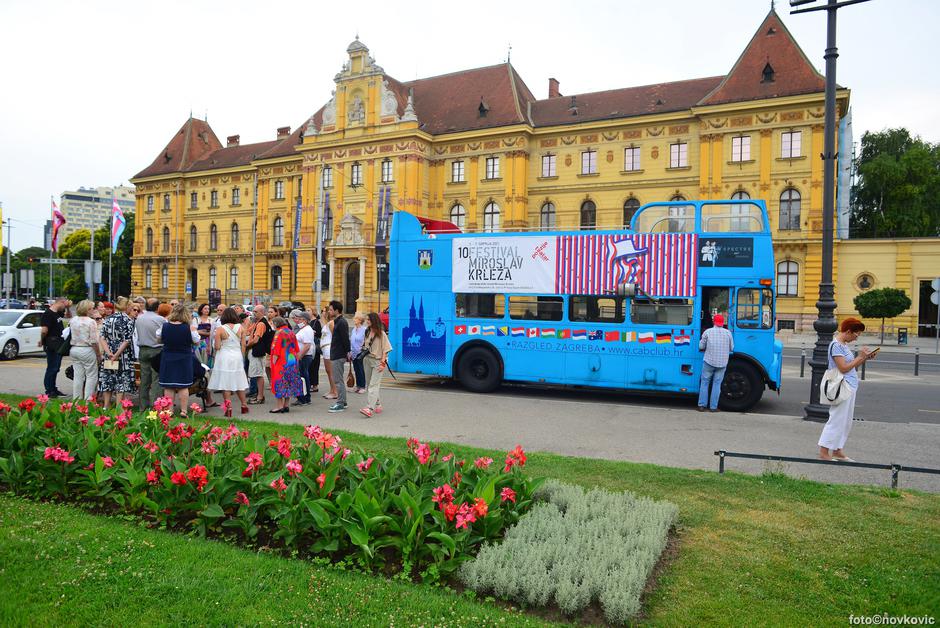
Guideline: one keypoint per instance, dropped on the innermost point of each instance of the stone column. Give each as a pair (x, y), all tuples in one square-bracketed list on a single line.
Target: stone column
[(362, 280)]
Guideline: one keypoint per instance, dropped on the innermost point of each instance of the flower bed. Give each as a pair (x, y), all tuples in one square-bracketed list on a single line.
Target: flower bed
[(422, 514)]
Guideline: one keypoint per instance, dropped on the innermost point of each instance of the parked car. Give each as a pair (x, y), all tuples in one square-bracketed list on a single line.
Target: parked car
[(19, 332), (15, 304)]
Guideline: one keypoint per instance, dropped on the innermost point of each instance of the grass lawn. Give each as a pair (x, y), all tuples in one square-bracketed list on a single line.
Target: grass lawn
[(752, 551)]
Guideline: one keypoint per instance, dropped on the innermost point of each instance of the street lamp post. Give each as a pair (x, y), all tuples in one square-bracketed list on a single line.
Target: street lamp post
[(825, 324)]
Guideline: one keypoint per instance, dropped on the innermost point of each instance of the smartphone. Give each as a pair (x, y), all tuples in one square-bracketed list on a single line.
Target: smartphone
[(874, 351)]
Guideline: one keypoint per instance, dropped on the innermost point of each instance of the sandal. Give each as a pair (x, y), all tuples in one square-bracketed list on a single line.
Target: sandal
[(328, 396), (367, 412), (245, 409), (212, 405), (256, 402)]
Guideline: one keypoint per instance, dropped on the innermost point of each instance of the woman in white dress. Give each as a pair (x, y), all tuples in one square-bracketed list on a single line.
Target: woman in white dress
[(326, 338), (228, 372)]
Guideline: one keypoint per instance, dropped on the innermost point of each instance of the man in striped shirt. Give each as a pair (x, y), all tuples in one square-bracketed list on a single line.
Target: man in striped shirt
[(717, 344)]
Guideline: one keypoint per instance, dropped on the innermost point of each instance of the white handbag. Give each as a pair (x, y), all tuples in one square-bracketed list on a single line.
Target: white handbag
[(833, 389)]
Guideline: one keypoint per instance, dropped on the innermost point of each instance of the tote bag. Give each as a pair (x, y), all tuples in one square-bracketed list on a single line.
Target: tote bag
[(833, 389)]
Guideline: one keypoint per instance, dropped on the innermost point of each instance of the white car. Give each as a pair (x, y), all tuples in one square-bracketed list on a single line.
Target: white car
[(19, 332)]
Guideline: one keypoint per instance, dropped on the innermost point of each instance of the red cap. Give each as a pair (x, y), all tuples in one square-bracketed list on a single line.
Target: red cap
[(719, 320)]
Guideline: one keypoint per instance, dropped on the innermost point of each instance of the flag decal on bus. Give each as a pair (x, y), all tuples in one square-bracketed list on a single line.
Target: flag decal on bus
[(663, 338), (473, 330), (502, 331), (518, 331), (681, 339), (548, 333), (579, 334), (646, 336), (489, 330), (460, 329)]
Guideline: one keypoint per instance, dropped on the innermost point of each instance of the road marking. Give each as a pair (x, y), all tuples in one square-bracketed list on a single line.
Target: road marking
[(934, 411)]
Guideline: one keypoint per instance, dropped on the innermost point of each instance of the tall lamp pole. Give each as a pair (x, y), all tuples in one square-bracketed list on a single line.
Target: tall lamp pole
[(825, 324)]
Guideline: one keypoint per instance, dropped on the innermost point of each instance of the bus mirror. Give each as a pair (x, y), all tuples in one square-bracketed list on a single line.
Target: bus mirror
[(626, 290)]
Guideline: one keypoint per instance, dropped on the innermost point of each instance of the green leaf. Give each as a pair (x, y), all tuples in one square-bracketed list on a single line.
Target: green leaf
[(344, 501), (446, 540), (320, 516), (358, 536), (212, 511)]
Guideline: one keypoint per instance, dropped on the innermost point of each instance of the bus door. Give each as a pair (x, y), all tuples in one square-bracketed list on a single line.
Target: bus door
[(752, 323), (534, 344), (715, 300)]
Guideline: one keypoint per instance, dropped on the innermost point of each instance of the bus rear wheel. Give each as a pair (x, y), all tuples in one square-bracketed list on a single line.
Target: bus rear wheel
[(741, 388), (478, 370)]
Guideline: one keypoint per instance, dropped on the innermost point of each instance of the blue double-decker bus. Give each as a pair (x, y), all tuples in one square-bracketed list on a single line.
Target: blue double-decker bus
[(618, 309)]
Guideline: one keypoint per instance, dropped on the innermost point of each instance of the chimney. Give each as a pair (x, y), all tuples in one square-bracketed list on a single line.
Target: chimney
[(233, 140), (283, 132), (553, 86)]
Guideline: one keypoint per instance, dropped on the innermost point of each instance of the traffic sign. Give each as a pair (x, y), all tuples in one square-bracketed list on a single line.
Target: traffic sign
[(52, 260)]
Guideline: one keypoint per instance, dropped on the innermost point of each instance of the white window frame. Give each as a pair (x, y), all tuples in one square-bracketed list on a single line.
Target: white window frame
[(548, 217), (193, 200), (790, 270), (491, 217), (277, 232), (631, 158), (236, 196), (235, 234), (165, 278), (387, 171), (148, 277), (550, 165), (741, 148), (213, 237), (193, 238), (213, 277), (355, 175), (233, 278), (791, 144), (278, 190), (277, 278), (589, 161), (327, 176), (492, 168), (457, 172), (679, 155), (214, 198), (458, 215)]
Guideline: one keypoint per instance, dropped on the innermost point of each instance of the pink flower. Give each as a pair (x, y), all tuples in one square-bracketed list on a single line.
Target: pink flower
[(57, 454), (294, 467), (163, 403), (447, 457), (83, 419), (226, 406), (241, 498), (465, 515), (254, 461), (82, 408), (135, 438), (508, 495), (152, 447), (283, 446), (122, 420), (107, 461), (43, 399), (321, 479), (279, 485), (196, 408), (178, 478), (208, 447), (346, 452), (65, 407), (365, 464), (443, 495), (422, 452), (483, 463), (127, 404), (153, 476), (101, 420), (312, 432)]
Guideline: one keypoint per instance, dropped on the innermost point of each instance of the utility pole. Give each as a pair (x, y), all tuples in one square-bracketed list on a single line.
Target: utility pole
[(7, 284), (91, 267)]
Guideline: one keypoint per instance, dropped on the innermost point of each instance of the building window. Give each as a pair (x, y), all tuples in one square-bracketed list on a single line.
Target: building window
[(740, 213), (325, 273), (790, 144), (767, 74), (150, 203), (355, 175), (492, 167), (548, 166), (213, 277), (213, 237), (589, 162), (679, 155), (166, 202), (677, 222), (148, 278), (326, 227), (741, 148), (789, 210), (236, 196), (458, 216), (214, 198), (631, 158), (788, 276), (234, 236), (456, 172), (193, 200), (193, 238), (233, 278), (387, 171), (275, 278), (629, 209), (491, 217), (588, 215), (149, 240), (278, 190), (278, 232), (327, 177), (166, 239), (165, 278), (547, 217)]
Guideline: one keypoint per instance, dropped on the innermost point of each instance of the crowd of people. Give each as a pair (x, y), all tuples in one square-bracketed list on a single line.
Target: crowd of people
[(151, 349)]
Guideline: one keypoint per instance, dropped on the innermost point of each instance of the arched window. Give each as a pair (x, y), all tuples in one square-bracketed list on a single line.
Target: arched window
[(789, 210), (491, 217), (275, 278), (193, 237), (234, 236), (739, 222), (148, 277), (278, 232), (149, 240), (629, 209), (788, 279), (588, 215), (233, 278), (164, 278), (213, 277), (166, 239), (679, 211), (213, 237), (547, 216), (458, 216)]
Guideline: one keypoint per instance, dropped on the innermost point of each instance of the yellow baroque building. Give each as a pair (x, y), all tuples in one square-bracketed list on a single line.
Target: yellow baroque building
[(476, 148)]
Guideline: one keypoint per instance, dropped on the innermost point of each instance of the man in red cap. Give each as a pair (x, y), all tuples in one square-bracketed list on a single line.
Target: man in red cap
[(718, 345)]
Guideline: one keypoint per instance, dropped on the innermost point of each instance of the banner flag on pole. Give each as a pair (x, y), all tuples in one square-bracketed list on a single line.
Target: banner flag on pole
[(296, 233), (380, 217), (118, 223), (58, 221)]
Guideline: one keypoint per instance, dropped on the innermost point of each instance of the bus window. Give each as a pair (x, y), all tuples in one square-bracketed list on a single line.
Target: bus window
[(731, 217), (755, 308), (661, 312), (666, 219), (592, 309), (533, 308), (480, 305)]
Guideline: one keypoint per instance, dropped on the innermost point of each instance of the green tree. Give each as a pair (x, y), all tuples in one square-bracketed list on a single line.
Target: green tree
[(76, 248), (898, 190), (882, 303)]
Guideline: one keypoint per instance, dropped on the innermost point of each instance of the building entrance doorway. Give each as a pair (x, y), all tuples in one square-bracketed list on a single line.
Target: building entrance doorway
[(351, 288), (927, 314), (194, 289)]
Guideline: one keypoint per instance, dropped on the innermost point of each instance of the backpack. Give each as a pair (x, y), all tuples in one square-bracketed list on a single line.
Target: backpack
[(263, 346)]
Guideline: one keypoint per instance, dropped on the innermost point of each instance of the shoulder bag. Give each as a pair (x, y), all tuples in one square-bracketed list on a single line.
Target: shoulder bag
[(833, 389)]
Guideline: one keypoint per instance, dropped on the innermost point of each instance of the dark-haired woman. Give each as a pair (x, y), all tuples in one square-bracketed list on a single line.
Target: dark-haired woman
[(836, 430), (377, 345), (285, 373), (228, 371), (203, 326)]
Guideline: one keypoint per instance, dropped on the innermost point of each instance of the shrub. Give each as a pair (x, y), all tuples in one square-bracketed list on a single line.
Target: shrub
[(424, 511), (576, 547)]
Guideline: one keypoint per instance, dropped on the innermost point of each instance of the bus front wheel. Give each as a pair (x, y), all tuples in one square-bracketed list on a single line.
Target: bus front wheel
[(741, 388), (478, 370)]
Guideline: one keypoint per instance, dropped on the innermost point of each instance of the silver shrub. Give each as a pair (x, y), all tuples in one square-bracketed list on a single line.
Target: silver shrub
[(575, 547)]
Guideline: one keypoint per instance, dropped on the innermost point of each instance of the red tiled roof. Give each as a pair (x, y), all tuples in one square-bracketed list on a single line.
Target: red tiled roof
[(232, 156), (771, 44), (194, 141), (622, 103)]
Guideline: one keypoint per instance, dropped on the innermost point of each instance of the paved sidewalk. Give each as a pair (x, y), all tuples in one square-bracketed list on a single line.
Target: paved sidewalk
[(871, 338)]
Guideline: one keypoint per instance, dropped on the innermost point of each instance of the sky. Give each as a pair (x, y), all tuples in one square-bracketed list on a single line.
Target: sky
[(90, 92)]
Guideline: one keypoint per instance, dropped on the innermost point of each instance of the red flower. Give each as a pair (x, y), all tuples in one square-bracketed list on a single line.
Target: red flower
[(480, 508), (107, 461), (483, 463), (456, 479), (447, 457), (312, 432), (48, 425), (127, 404), (443, 495), (254, 461), (508, 495), (208, 447), (283, 446), (516, 457), (135, 438), (82, 408), (83, 419), (123, 419), (450, 511), (57, 454), (178, 478), (465, 515), (101, 420), (422, 452), (279, 485), (241, 498), (294, 467), (365, 464), (4, 409), (321, 479), (412, 443), (153, 476), (152, 447), (27, 405), (198, 475)]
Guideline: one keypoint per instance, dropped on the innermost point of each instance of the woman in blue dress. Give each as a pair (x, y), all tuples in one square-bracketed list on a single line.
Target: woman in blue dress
[(176, 360)]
